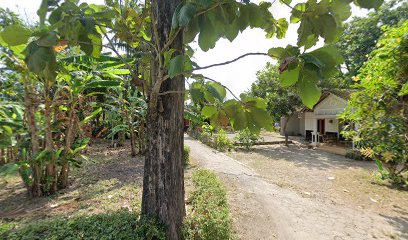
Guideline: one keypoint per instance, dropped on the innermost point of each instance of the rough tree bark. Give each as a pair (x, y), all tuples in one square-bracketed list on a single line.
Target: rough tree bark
[(30, 109), (69, 140), (163, 183), (51, 178)]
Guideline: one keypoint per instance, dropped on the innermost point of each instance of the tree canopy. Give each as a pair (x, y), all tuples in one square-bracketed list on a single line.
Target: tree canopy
[(53, 60), (379, 106), (361, 35)]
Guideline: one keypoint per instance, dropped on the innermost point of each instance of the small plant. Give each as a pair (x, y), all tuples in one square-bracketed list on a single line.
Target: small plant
[(356, 155), (222, 142), (247, 138), (210, 218), (207, 128), (117, 225), (186, 155)]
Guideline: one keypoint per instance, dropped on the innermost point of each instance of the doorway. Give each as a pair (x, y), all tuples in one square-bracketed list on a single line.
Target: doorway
[(320, 126)]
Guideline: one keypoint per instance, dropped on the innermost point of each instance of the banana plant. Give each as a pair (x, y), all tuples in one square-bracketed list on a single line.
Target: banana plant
[(73, 98), (11, 129)]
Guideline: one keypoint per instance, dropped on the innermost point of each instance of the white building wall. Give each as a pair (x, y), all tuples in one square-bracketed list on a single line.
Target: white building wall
[(331, 127), (292, 125), (310, 121)]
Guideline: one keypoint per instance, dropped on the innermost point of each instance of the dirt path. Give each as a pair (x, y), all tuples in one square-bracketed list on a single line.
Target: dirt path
[(263, 210)]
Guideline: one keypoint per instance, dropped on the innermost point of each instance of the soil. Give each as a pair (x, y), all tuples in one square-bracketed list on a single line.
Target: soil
[(110, 180), (278, 192)]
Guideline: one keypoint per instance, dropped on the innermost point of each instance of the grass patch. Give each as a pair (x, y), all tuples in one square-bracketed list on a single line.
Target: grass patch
[(209, 215), (186, 155), (117, 225)]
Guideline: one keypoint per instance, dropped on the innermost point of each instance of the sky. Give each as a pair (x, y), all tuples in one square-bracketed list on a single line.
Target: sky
[(237, 76)]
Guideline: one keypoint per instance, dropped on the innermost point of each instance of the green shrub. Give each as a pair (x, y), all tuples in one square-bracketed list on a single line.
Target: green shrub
[(209, 218), (357, 155), (206, 138), (186, 155), (247, 138), (118, 225), (222, 142)]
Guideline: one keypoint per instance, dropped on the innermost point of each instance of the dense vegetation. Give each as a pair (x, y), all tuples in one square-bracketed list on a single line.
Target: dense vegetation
[(361, 36), (379, 106), (87, 70), (209, 217), (118, 225)]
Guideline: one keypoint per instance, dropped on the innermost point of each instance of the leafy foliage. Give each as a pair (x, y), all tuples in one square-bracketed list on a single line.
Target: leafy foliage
[(222, 142), (362, 33), (379, 108), (117, 225), (186, 155), (247, 138), (210, 218), (280, 100)]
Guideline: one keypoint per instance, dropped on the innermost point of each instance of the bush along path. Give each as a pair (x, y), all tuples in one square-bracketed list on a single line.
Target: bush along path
[(261, 210)]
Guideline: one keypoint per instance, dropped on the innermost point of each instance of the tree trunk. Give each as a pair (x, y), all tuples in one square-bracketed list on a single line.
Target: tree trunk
[(285, 130), (132, 142), (163, 183), (51, 179), (30, 108), (69, 139), (2, 156), (121, 139)]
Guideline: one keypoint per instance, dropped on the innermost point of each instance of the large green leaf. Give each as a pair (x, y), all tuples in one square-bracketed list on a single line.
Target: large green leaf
[(290, 76), (231, 31), (41, 60), (48, 40), (9, 169), (185, 14), (306, 36), (103, 84), (90, 40), (327, 57), (341, 9), (215, 91), (197, 92), (276, 52), (92, 115), (175, 18), (176, 66), (256, 19), (15, 35), (209, 111), (297, 12), (307, 88), (208, 36), (404, 90), (42, 11), (191, 30), (369, 3)]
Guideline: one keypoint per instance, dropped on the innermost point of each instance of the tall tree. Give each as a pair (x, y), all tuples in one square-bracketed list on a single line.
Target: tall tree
[(379, 106), (281, 100), (163, 183), (361, 35), (164, 26)]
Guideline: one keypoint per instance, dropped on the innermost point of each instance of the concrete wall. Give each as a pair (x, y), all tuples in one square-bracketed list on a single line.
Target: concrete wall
[(331, 127), (310, 121), (292, 126)]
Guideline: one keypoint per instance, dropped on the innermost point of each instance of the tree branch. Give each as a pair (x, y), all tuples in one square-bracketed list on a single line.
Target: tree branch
[(170, 92), (116, 51), (171, 40), (231, 61), (213, 80)]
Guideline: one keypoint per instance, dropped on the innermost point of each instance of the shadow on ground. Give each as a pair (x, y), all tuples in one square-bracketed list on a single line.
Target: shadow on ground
[(310, 158), (111, 181)]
